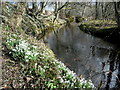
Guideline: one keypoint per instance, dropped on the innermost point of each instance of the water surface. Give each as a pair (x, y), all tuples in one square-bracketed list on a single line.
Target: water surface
[(88, 56)]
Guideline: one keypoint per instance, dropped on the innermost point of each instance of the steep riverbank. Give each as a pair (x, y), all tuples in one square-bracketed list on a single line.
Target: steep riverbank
[(35, 65), (73, 59), (27, 61), (105, 29)]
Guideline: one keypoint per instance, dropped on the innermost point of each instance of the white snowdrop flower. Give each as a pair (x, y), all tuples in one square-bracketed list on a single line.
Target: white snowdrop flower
[(26, 56), (85, 81), (23, 45), (90, 81), (41, 69), (28, 53), (83, 86), (36, 53), (92, 85), (53, 62), (28, 48), (41, 57), (58, 66), (74, 80), (67, 81), (13, 49), (10, 39), (35, 65), (35, 47), (26, 60), (46, 66), (72, 84), (17, 47), (61, 80), (82, 79)]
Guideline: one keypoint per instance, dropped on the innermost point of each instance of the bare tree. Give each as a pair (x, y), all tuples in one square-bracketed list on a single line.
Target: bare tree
[(58, 8)]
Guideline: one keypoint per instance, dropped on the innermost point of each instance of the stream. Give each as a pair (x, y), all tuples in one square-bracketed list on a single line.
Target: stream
[(88, 56)]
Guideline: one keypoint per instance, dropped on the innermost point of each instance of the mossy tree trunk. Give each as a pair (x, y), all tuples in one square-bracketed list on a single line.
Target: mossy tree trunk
[(117, 13)]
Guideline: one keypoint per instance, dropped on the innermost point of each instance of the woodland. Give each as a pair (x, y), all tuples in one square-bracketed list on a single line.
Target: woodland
[(30, 59)]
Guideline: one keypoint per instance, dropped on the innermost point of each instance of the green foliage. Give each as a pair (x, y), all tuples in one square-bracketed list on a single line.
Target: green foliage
[(20, 49), (7, 28), (95, 27), (99, 22), (42, 65), (71, 19)]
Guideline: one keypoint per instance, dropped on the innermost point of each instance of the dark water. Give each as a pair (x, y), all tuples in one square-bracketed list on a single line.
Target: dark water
[(88, 56)]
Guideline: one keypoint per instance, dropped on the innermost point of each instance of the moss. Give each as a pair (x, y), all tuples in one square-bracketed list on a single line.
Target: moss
[(105, 29), (71, 19), (100, 22), (38, 67), (46, 69)]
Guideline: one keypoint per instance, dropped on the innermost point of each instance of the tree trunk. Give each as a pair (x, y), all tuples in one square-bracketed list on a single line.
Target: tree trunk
[(117, 14), (96, 14), (102, 5), (34, 8)]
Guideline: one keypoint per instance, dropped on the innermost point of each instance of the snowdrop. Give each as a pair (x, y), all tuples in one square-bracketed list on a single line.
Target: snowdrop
[(23, 45), (30, 52)]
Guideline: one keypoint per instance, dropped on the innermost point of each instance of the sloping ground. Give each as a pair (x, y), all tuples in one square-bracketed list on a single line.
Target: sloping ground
[(29, 63), (11, 76), (105, 29)]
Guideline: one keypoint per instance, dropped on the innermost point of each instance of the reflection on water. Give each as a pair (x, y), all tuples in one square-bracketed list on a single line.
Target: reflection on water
[(88, 56)]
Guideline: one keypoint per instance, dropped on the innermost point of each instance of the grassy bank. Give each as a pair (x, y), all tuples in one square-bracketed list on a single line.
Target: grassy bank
[(29, 63)]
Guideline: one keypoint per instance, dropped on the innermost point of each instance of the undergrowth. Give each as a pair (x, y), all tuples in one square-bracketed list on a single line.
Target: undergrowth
[(39, 62)]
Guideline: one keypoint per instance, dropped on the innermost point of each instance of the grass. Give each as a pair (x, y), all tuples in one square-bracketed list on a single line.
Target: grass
[(38, 64)]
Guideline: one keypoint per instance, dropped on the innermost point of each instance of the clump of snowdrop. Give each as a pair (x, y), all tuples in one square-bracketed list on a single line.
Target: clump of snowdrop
[(21, 49), (43, 63), (70, 78)]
